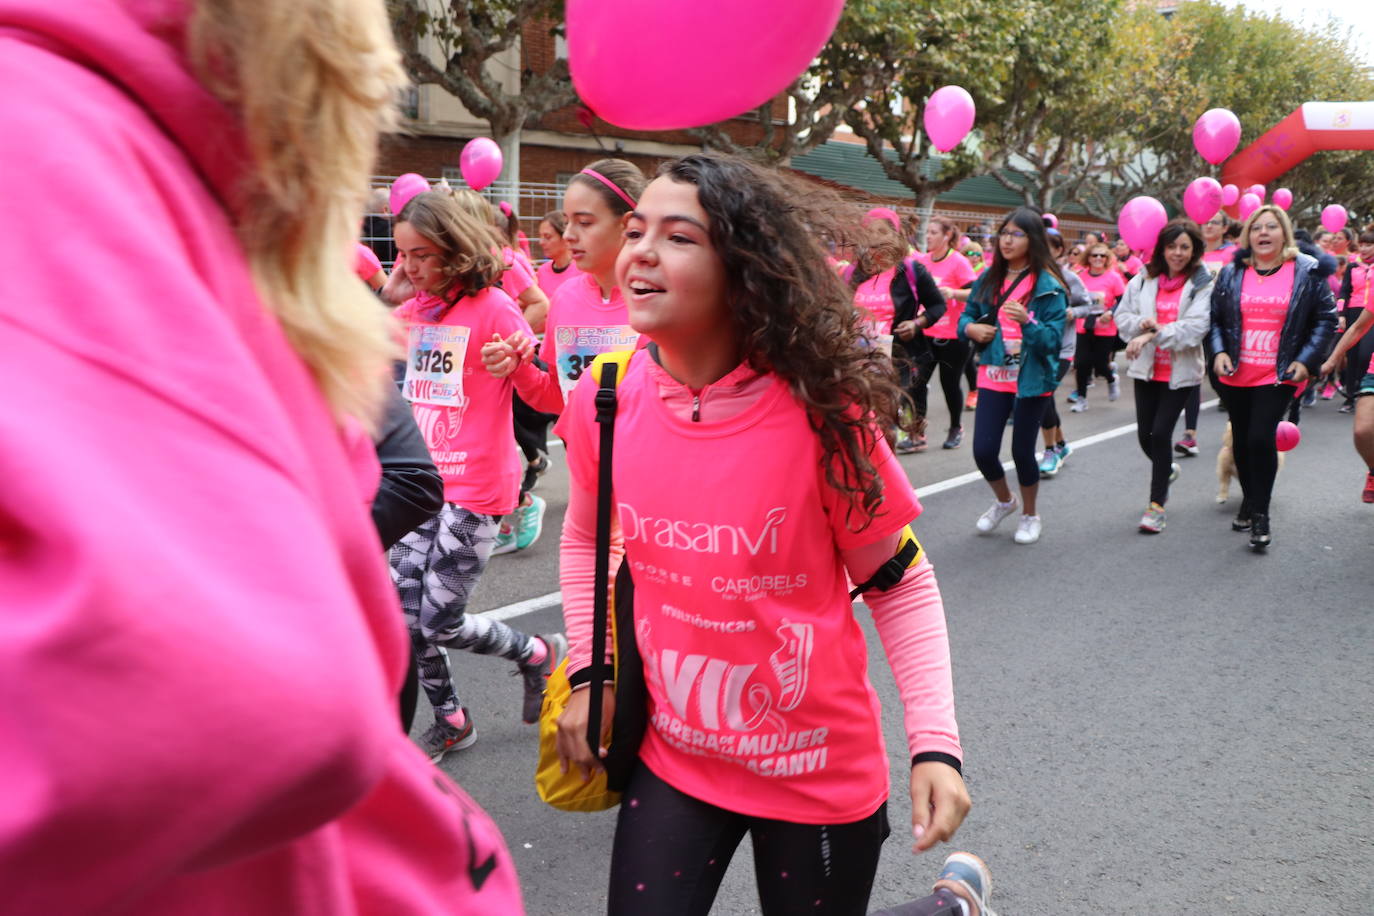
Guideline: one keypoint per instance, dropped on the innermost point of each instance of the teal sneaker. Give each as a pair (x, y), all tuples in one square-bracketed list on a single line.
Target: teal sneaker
[(965, 875), (1049, 465), (1065, 450), (529, 522)]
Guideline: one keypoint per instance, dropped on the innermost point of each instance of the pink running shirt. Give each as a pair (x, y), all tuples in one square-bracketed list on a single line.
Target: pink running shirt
[(365, 262), (757, 669), (1263, 308), (873, 302), (953, 271), (518, 275), (1004, 378), (463, 412), (581, 326), (1166, 312), (1112, 287), (550, 279)]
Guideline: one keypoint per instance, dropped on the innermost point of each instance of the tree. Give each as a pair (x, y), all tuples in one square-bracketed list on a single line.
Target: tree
[(470, 36)]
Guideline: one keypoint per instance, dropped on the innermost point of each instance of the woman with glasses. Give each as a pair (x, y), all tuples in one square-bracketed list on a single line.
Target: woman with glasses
[(1097, 332), (1273, 319), (1015, 320), (955, 276), (1164, 315), (1081, 305)]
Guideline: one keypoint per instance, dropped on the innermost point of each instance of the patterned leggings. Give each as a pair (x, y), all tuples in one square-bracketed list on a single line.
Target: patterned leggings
[(435, 569)]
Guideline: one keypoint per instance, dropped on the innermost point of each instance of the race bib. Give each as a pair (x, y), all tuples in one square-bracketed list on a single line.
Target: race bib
[(1002, 375), (579, 345), (434, 365)]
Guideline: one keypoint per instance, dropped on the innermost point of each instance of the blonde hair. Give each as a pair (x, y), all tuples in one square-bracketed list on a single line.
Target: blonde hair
[(1091, 250), (463, 242), (314, 83), (481, 211), (1290, 244)]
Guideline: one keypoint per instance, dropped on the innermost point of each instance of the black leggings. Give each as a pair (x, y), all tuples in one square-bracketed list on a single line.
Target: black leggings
[(1255, 413), (1357, 358), (531, 434), (1156, 412), (1051, 418), (952, 356), (671, 852), (990, 419), (1192, 408), (1094, 354)]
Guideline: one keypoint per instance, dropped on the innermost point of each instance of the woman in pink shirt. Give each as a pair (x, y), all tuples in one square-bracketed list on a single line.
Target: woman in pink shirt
[(559, 268), (1273, 321), (465, 416), (1128, 263), (200, 650), (955, 276), (750, 480), (1097, 333)]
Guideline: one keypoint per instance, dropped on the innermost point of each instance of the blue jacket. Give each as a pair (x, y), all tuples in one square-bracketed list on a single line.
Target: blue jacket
[(1041, 336), (1308, 331)]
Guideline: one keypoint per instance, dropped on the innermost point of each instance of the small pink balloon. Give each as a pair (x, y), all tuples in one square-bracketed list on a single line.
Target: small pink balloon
[(948, 117), (1287, 436), (1229, 195), (1202, 199), (480, 162), (1257, 190), (1249, 203), (404, 188), (1283, 198), (1216, 134), (743, 55), (1333, 218), (1052, 220), (1140, 222)]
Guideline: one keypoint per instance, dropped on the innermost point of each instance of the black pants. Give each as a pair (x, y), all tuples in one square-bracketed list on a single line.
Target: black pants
[(1356, 358), (1051, 418), (940, 903), (915, 365), (1156, 412), (952, 356), (990, 420), (1193, 408), (531, 434), (1255, 413), (671, 852), (1094, 354)]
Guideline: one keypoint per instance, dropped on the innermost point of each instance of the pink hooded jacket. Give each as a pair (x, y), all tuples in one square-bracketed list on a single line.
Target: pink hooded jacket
[(199, 644)]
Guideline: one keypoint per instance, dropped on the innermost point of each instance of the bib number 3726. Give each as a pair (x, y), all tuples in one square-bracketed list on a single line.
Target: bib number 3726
[(434, 365)]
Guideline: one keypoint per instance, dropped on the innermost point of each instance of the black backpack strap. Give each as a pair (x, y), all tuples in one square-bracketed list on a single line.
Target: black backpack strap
[(890, 573), (605, 416)]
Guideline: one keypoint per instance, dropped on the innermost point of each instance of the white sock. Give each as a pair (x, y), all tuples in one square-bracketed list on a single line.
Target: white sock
[(1008, 504)]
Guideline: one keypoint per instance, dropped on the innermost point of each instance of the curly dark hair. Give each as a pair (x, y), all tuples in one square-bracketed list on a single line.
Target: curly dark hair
[(793, 315)]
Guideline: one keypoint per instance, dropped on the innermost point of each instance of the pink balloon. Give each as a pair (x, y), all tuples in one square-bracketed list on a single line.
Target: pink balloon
[(1249, 203), (404, 188), (948, 117), (1333, 218), (1229, 195), (1283, 198), (1202, 199), (742, 55), (480, 162), (1140, 222), (1216, 134), (1257, 190), (1287, 436), (1052, 220)]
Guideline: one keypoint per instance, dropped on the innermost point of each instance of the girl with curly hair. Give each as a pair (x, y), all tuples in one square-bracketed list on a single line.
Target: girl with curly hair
[(750, 478)]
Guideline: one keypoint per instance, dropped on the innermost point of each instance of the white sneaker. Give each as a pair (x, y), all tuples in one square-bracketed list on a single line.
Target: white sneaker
[(1174, 471), (1113, 390), (1080, 405), (993, 517), (1028, 530)]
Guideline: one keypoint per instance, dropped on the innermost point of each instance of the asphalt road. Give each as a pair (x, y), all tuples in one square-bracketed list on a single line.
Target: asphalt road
[(1150, 724)]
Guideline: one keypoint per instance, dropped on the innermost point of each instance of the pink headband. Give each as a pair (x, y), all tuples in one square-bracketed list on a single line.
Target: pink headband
[(506, 208), (883, 213), (610, 184)]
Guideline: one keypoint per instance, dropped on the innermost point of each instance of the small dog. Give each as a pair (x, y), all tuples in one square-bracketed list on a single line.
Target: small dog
[(1226, 466)]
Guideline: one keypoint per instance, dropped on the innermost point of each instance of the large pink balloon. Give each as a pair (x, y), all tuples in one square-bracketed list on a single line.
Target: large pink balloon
[(1229, 195), (1140, 222), (1249, 203), (404, 188), (480, 162), (1283, 198), (683, 63), (1257, 190), (1333, 218), (1216, 134), (948, 117), (1287, 436), (1202, 199)]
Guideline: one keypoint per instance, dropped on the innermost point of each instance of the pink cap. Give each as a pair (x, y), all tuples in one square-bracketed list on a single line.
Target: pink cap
[(883, 213)]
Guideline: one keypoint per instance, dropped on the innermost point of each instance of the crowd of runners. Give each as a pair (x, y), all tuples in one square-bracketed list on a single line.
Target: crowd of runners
[(207, 577)]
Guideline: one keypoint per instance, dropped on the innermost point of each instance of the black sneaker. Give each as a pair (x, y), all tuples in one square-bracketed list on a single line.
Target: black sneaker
[(1242, 521), (444, 736), (536, 677), (956, 438), (1259, 531)]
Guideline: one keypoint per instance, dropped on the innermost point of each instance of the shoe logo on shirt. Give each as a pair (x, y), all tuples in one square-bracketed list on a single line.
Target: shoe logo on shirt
[(703, 537), (792, 663)]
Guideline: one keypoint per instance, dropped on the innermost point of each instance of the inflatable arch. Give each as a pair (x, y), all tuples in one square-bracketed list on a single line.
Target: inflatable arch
[(1313, 127)]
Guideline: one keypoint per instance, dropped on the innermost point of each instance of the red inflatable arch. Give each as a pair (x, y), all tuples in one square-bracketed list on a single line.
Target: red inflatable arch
[(1313, 127)]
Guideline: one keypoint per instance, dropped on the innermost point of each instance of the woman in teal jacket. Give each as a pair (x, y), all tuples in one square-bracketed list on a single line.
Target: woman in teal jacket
[(1015, 321)]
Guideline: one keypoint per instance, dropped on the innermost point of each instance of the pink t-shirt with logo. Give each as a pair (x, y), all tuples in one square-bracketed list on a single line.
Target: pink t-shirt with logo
[(581, 326), (1166, 312), (463, 412), (1004, 378), (1112, 287), (1216, 260), (550, 279), (873, 301), (756, 667), (953, 271), (1131, 265), (1263, 308), (1360, 284), (365, 262)]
